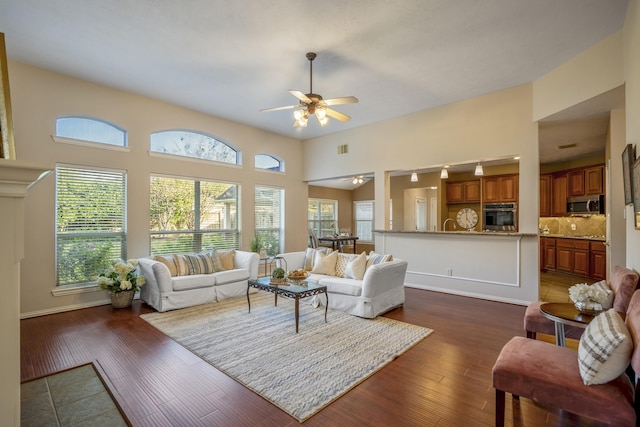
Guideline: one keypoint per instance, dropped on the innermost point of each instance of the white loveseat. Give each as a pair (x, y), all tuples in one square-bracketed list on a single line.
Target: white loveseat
[(380, 290), (164, 292)]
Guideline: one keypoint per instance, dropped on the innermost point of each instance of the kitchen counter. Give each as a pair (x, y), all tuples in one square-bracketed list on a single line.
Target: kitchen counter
[(566, 236), (463, 233)]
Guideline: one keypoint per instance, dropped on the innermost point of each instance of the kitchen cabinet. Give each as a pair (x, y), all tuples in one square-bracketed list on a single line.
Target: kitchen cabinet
[(546, 181), (598, 260), (463, 191), (572, 256), (548, 256), (500, 188), (559, 194), (586, 181)]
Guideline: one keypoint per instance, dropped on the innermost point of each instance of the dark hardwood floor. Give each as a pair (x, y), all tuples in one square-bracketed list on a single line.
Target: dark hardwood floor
[(445, 380)]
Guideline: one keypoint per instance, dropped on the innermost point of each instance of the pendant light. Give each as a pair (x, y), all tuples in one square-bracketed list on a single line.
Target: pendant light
[(414, 176), (479, 171), (444, 173)]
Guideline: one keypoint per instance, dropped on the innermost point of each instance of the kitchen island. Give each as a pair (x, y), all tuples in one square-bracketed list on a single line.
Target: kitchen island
[(489, 265)]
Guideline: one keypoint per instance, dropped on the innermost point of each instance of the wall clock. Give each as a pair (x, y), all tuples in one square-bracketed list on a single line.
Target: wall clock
[(467, 218)]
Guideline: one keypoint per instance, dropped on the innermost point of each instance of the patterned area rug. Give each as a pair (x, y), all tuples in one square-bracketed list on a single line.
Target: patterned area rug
[(300, 373)]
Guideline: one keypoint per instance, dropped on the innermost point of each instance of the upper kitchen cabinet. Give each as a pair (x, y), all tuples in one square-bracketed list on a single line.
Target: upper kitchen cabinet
[(463, 191), (586, 181), (546, 182), (500, 188), (559, 194)]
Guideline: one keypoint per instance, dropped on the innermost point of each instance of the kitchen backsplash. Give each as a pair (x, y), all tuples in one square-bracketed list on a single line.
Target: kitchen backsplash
[(592, 226)]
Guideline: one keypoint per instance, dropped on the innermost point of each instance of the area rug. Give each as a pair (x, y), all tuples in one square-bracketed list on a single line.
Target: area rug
[(300, 373)]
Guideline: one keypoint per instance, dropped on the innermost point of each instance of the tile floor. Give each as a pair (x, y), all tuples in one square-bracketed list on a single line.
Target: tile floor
[(75, 397), (554, 286)]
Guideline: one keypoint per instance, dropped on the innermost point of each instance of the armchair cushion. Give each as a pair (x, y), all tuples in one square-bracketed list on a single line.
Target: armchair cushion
[(605, 349), (623, 283)]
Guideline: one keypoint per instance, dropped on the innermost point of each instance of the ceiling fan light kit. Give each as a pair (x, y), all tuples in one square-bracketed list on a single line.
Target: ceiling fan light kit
[(312, 103)]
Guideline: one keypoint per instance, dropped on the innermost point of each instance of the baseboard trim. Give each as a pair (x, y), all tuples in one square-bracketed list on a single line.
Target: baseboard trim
[(468, 294)]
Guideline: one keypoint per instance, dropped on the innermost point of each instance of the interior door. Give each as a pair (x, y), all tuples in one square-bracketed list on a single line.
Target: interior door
[(421, 214)]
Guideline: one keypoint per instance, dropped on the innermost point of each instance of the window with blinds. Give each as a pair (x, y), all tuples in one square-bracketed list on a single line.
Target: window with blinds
[(322, 216), (363, 217), (189, 215), (269, 203), (90, 222)]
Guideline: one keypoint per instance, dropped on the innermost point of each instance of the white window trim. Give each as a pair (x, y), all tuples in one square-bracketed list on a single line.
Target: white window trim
[(91, 144), (196, 160)]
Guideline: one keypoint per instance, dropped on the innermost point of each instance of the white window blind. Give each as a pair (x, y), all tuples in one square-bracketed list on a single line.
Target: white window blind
[(363, 214), (188, 215), (269, 203), (90, 222)]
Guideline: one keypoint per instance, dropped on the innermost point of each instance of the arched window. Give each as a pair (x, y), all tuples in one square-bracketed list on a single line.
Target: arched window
[(91, 130), (269, 162), (193, 144)]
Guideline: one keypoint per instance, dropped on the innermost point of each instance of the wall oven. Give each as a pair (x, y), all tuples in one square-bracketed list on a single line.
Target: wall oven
[(500, 217)]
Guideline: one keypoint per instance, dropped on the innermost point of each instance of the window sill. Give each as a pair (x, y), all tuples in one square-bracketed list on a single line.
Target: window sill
[(83, 143), (83, 288)]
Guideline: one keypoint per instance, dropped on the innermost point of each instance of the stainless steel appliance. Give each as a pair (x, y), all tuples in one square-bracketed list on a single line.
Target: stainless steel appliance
[(586, 205), (500, 217)]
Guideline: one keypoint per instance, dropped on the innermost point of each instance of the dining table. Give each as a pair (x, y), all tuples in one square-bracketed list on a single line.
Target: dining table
[(338, 241)]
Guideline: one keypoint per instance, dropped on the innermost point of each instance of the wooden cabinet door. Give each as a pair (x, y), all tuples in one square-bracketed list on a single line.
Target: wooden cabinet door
[(576, 183), (472, 191), (564, 259), (550, 257), (559, 195), (581, 262), (455, 192), (594, 182), (490, 190), (598, 261), (545, 195), (508, 188)]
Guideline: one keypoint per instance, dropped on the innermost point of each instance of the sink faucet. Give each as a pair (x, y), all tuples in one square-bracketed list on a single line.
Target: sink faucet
[(444, 224)]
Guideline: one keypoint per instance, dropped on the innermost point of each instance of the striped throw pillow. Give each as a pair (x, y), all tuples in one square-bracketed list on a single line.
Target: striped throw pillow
[(199, 264), (605, 349)]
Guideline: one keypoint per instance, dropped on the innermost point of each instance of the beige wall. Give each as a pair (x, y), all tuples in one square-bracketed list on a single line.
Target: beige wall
[(40, 96)]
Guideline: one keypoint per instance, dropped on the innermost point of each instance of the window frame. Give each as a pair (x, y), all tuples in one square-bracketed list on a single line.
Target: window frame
[(356, 220), (67, 288), (319, 230), (91, 143), (199, 234), (266, 231), (280, 161)]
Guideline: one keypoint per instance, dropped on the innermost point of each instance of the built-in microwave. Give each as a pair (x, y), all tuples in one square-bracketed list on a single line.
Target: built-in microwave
[(500, 216), (586, 205)]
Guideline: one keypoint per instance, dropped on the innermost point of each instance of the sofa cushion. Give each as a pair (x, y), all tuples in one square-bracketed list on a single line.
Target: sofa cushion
[(199, 264), (341, 264), (605, 348), (169, 262), (623, 283), (340, 285), (194, 281), (228, 258), (325, 264), (231, 276), (181, 264), (356, 267)]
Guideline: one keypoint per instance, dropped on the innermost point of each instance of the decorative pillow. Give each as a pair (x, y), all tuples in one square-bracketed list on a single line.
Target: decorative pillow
[(216, 259), (325, 264), (228, 259), (341, 263), (356, 267), (181, 265), (605, 287), (375, 258), (199, 264), (168, 261), (308, 259), (605, 348)]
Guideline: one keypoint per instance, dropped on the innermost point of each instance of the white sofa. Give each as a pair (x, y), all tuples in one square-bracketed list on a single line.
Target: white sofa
[(380, 290), (164, 292)]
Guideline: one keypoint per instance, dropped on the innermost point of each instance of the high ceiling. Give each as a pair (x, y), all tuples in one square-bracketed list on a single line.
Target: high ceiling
[(233, 58)]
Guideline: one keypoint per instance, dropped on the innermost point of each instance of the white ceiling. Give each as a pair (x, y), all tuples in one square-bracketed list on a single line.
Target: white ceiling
[(233, 58)]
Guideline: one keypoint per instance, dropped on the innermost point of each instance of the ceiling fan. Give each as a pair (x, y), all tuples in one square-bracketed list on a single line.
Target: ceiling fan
[(312, 103)]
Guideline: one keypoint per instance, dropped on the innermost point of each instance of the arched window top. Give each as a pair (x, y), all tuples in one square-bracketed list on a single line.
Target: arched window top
[(193, 144), (269, 162), (90, 129)]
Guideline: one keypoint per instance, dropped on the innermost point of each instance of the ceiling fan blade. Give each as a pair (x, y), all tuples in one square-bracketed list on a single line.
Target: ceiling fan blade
[(337, 101), (337, 115), (301, 96), (288, 107)]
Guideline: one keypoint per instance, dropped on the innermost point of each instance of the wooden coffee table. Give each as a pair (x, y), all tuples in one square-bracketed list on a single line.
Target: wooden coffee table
[(564, 313), (290, 290)]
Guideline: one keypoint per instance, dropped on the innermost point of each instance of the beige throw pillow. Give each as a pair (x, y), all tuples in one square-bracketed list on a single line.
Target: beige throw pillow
[(181, 265), (341, 264), (325, 264), (356, 267), (216, 259), (228, 259), (309, 255), (168, 261), (605, 287), (605, 349), (375, 258)]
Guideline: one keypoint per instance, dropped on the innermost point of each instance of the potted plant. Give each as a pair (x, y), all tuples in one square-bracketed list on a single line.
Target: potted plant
[(122, 281), (277, 276), (257, 245)]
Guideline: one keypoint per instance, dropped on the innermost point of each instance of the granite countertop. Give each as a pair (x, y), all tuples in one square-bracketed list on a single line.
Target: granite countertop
[(464, 233), (566, 236)]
